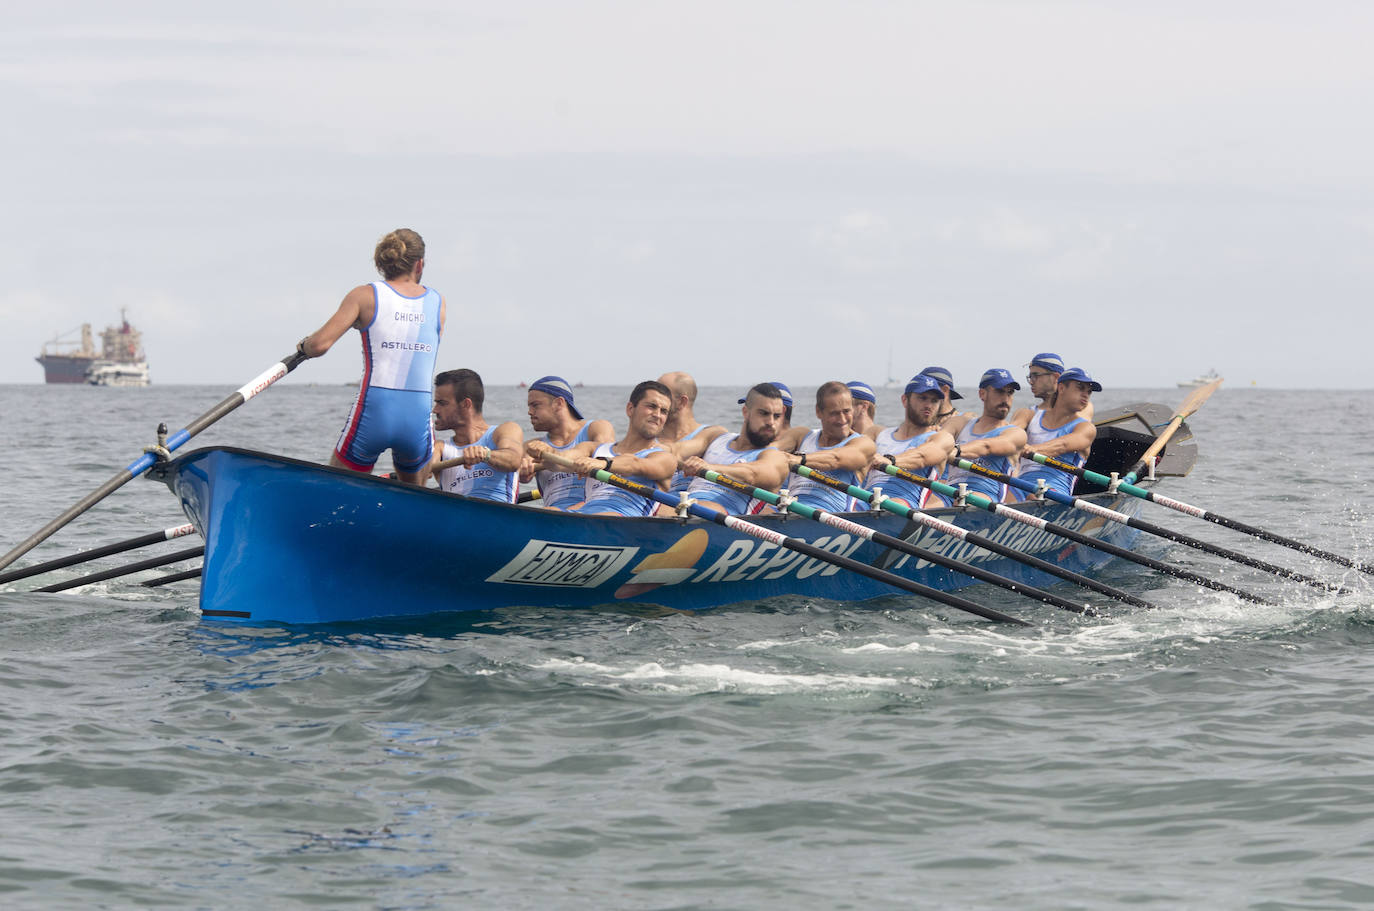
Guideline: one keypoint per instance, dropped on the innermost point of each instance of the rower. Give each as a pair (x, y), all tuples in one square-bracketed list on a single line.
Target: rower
[(865, 408), (946, 380), (748, 456), (916, 444), (486, 459), (1059, 431), (682, 425), (1043, 376), (553, 412), (833, 449), (637, 456), (988, 439)]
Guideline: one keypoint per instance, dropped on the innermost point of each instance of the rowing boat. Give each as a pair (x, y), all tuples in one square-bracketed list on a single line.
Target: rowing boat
[(288, 541)]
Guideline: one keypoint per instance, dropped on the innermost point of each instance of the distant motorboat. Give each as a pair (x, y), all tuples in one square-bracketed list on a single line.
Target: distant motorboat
[(116, 373), (1211, 376)]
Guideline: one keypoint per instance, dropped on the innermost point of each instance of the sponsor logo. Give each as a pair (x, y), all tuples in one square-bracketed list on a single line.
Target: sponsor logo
[(406, 346), (563, 565)]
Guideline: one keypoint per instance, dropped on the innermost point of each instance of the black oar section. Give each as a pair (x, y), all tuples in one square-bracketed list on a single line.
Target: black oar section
[(150, 563), (174, 577), (1105, 546), (1198, 512), (906, 547), (1112, 515), (971, 537), (148, 459), (96, 553), (801, 547)]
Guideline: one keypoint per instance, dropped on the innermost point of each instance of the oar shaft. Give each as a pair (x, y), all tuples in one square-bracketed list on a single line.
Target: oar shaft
[(1198, 512), (147, 460), (986, 543), (906, 547), (118, 547), (174, 577), (150, 563), (801, 547), (1105, 546)]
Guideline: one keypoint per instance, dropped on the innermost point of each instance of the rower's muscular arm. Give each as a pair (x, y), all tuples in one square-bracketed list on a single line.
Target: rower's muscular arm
[(1080, 439), (932, 452), (656, 466), (1008, 442), (696, 446), (355, 311), (852, 456), (509, 450), (767, 471)]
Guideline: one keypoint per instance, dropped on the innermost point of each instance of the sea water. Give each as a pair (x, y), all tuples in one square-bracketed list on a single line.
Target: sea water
[(794, 754)]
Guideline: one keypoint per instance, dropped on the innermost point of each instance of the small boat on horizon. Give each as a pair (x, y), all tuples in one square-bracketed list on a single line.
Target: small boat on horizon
[(1211, 376)]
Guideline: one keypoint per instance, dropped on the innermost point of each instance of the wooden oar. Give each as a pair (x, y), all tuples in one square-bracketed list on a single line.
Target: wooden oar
[(795, 544), (150, 563), (1191, 404), (1016, 515), (118, 547), (986, 543), (1199, 513), (897, 544), (148, 459), (1111, 515)]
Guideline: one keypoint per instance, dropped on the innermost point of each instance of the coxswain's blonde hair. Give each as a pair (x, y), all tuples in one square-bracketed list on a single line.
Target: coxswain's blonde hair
[(398, 252)]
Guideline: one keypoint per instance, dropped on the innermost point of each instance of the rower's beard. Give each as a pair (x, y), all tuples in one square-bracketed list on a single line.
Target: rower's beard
[(758, 439)]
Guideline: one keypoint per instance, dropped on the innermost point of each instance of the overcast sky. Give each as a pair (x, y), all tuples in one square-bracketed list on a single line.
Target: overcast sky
[(746, 190)]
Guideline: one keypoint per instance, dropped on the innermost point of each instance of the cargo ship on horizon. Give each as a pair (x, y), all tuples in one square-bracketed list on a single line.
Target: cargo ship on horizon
[(119, 362)]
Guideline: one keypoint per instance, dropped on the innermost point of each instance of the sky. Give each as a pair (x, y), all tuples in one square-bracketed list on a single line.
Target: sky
[(783, 189)]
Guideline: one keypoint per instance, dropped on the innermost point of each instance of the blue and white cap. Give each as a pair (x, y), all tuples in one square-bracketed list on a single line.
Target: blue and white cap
[(786, 394), (558, 387), (923, 382), (944, 378), (1049, 360), (861, 391), (997, 378), (1081, 375)]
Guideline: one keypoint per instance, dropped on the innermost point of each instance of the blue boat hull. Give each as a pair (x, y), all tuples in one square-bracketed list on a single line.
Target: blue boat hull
[(296, 542)]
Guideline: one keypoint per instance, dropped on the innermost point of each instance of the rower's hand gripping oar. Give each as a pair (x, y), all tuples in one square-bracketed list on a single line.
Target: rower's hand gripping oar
[(162, 450), (1160, 531), (986, 543), (1092, 508), (1191, 404), (897, 544), (1198, 512), (795, 544)]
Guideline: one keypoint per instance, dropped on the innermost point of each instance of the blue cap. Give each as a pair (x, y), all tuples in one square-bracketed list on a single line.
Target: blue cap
[(944, 377), (1081, 375), (558, 387), (997, 378), (1049, 360), (923, 382), (786, 394), (862, 391)]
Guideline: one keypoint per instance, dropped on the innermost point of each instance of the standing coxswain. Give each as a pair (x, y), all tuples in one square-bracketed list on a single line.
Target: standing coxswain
[(400, 321)]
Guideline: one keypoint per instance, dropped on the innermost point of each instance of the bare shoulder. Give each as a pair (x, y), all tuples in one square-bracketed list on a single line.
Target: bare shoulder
[(600, 431)]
